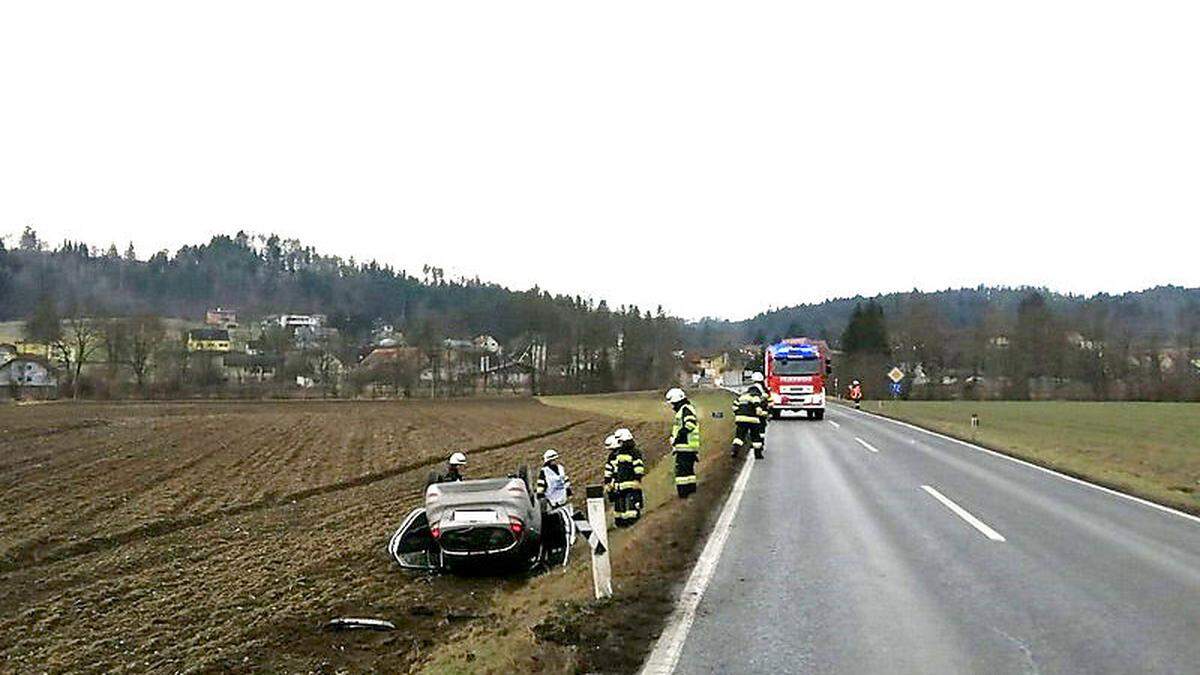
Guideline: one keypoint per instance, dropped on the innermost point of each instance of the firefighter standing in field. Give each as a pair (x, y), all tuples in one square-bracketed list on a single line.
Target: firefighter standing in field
[(748, 420), (623, 476), (553, 485), (454, 469), (685, 442), (856, 394)]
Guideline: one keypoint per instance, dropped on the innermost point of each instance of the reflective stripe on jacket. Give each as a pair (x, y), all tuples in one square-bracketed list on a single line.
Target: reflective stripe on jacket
[(685, 430), (625, 468)]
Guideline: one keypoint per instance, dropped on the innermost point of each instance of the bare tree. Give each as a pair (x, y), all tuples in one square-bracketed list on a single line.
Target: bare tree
[(327, 364), (79, 342), (144, 334)]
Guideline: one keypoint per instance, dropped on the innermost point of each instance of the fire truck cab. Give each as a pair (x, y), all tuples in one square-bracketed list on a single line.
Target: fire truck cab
[(796, 370)]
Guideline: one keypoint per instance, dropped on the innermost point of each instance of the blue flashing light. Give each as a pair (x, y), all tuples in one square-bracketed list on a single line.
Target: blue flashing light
[(787, 352)]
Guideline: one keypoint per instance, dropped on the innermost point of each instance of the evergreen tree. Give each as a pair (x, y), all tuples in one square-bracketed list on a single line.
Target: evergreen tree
[(866, 332), (45, 326)]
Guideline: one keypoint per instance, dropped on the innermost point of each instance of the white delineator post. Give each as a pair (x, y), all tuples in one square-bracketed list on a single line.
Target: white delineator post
[(601, 569)]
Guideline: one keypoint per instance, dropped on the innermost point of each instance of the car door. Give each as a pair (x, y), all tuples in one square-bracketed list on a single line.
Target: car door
[(558, 533), (412, 546)]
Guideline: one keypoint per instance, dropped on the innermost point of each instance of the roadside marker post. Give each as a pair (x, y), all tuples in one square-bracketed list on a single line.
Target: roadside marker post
[(974, 424), (601, 567)]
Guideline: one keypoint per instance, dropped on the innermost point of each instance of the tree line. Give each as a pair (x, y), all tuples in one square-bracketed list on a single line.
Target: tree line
[(1137, 347), (590, 346)]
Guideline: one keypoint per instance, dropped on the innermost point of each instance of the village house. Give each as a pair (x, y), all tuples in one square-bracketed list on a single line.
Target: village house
[(23, 375), (208, 340), (508, 378), (708, 369), (293, 321), (308, 337), (487, 343), (243, 368), (221, 317), (37, 349)]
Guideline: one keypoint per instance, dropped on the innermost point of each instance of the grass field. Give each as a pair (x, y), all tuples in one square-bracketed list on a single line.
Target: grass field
[(1148, 449)]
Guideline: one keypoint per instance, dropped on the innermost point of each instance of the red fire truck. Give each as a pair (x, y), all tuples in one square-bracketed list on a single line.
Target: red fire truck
[(796, 370)]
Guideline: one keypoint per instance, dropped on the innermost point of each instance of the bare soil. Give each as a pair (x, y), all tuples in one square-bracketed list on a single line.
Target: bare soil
[(223, 536)]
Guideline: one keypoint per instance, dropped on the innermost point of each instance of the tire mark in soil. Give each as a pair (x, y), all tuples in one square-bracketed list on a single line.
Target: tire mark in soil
[(30, 556)]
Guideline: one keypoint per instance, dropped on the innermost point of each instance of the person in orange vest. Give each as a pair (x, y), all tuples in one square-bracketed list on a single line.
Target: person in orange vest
[(856, 394)]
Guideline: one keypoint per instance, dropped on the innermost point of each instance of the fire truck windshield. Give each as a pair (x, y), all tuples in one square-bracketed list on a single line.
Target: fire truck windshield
[(797, 367)]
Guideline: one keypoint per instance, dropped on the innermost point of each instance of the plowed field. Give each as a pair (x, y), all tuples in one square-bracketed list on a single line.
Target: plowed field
[(222, 536)]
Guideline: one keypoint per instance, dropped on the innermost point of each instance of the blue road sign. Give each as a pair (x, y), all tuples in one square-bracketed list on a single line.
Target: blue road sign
[(895, 389)]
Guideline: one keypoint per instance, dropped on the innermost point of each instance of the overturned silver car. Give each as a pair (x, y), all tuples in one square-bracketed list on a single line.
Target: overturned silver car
[(490, 525)]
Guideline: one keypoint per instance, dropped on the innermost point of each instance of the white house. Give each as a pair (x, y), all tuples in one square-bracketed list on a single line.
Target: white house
[(27, 373), (487, 343)]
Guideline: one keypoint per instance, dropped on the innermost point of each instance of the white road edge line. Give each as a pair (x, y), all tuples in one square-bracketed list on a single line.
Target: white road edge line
[(835, 424), (1052, 472), (964, 514), (669, 647), (865, 444)]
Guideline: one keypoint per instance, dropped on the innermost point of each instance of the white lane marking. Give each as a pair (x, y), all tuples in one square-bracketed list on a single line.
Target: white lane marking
[(835, 424), (964, 514), (1052, 472), (866, 444), (669, 647)]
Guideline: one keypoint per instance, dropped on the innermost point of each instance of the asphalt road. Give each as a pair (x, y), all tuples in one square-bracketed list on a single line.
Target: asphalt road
[(863, 546)]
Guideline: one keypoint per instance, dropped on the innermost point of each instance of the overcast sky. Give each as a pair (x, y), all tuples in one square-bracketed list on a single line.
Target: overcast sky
[(636, 151)]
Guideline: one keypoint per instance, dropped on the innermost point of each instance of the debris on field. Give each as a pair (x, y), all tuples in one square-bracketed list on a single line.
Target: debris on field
[(352, 623)]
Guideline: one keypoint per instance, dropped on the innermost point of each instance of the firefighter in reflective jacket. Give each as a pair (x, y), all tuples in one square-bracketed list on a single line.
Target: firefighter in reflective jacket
[(757, 381), (553, 485), (856, 394), (747, 421), (623, 476), (685, 442)]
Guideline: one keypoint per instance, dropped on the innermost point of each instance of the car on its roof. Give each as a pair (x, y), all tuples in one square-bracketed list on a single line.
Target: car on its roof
[(488, 524)]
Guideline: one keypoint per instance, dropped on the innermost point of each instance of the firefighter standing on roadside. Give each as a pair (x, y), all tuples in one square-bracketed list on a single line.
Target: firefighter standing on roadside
[(623, 476), (748, 420), (856, 394), (685, 442), (628, 470), (765, 413)]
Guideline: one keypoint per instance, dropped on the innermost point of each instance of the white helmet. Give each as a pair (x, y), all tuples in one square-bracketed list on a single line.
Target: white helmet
[(623, 435), (550, 455), (756, 377), (675, 395), (611, 442), (458, 459), (856, 383)]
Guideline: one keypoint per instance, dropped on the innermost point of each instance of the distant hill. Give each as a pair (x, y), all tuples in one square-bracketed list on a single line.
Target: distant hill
[(263, 275), (1165, 314)]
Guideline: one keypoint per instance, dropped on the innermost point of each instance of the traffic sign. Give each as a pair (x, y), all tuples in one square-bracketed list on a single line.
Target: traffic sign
[(895, 374), (896, 389)]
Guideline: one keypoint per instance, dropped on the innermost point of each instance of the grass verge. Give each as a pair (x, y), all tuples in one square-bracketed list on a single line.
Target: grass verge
[(1151, 450), (553, 625)]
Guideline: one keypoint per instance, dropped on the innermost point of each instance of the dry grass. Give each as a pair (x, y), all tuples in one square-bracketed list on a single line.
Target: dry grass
[(649, 562), (1148, 449)]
